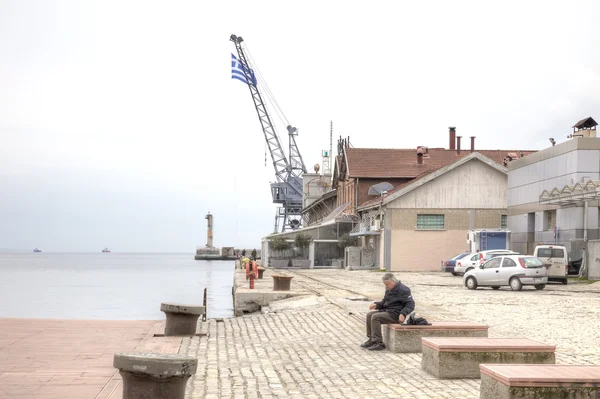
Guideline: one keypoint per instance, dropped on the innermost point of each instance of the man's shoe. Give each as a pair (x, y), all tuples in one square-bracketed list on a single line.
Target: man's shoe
[(408, 318), (378, 346), (368, 343)]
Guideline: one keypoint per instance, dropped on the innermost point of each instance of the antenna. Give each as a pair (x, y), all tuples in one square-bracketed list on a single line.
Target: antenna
[(327, 154), (380, 188)]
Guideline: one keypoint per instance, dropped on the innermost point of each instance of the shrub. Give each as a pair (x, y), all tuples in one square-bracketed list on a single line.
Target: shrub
[(347, 241)]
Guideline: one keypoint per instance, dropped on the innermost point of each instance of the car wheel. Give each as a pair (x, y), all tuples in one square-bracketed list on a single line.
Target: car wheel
[(565, 281), (454, 274), (540, 286), (471, 283), (515, 284), (495, 287)]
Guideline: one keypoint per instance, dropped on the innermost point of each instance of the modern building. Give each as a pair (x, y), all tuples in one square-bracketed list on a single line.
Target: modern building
[(553, 195)]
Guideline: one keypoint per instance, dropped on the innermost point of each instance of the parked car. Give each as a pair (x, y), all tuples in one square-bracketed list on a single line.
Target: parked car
[(466, 263), (514, 271), (478, 258), (448, 265), (555, 258), (487, 255)]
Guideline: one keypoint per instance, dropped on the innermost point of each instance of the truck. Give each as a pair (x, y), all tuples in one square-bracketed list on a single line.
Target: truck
[(487, 239)]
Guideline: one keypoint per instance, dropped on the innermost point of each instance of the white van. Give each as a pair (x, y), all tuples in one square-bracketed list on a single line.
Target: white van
[(556, 260)]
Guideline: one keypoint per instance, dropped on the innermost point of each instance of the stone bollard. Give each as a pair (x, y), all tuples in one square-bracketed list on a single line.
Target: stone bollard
[(154, 375), (281, 282), (181, 319)]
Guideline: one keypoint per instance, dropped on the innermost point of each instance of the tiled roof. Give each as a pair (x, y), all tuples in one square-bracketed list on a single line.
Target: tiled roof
[(439, 158), (402, 163)]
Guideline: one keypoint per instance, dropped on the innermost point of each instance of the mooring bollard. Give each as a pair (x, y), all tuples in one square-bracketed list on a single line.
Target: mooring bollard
[(261, 270), (181, 319), (281, 282), (154, 375)]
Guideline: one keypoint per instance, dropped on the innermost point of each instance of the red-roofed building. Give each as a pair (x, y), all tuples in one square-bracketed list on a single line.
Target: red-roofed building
[(433, 198)]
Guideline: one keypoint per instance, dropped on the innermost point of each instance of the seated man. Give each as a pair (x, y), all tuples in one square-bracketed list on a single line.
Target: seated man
[(396, 307)]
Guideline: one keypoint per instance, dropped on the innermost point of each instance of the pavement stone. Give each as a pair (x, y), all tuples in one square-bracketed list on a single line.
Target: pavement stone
[(313, 351)]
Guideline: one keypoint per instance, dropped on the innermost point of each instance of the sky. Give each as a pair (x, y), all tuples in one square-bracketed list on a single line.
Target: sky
[(120, 125)]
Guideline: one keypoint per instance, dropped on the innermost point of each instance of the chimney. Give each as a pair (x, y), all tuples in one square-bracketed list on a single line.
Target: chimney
[(472, 143), (452, 137), (419, 156), (458, 144)]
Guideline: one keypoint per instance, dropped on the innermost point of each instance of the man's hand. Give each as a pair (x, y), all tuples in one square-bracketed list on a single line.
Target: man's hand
[(401, 318), (372, 306)]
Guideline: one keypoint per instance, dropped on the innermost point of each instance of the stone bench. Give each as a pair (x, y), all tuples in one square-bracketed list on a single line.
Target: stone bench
[(154, 375), (402, 338), (181, 319), (526, 381), (461, 357)]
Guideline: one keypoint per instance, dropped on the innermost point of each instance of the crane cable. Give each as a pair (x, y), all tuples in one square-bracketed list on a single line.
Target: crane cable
[(269, 94)]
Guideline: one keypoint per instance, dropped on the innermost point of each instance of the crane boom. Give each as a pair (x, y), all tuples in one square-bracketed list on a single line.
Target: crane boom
[(280, 162), (288, 190)]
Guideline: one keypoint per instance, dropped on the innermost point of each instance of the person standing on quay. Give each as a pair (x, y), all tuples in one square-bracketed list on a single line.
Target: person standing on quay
[(397, 306)]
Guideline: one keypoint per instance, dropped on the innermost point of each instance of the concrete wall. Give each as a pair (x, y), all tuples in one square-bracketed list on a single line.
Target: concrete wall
[(593, 259), (564, 164), (424, 250)]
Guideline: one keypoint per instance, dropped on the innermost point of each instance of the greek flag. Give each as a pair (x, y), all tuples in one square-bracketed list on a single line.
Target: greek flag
[(237, 71)]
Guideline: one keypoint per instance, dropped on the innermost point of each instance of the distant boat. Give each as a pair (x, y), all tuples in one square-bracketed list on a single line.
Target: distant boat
[(106, 250), (37, 250)]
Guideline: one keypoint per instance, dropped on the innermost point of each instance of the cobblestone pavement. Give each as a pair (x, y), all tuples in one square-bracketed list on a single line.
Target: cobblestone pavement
[(313, 351)]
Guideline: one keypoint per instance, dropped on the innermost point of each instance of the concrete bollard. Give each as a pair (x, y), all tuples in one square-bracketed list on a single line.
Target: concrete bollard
[(154, 375), (181, 319), (281, 282)]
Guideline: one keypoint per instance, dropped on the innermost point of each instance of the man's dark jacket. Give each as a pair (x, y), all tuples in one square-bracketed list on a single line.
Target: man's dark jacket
[(397, 301)]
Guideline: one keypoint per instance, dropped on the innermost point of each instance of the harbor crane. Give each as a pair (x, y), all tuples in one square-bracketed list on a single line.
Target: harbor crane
[(287, 190)]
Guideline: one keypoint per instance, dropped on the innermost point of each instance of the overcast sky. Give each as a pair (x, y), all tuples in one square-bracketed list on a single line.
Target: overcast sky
[(120, 125)]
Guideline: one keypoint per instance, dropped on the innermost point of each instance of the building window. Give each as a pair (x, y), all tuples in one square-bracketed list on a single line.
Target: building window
[(550, 220), (430, 222), (503, 222)]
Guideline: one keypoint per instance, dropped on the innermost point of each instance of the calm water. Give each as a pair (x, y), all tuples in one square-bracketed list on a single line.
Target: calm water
[(110, 285)]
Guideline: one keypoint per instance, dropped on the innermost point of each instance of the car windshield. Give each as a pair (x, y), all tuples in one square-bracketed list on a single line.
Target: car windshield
[(532, 262)]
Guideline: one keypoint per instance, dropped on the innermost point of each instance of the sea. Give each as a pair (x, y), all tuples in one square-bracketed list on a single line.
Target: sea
[(110, 286)]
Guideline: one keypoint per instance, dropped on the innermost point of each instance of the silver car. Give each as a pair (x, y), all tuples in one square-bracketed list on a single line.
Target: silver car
[(509, 270)]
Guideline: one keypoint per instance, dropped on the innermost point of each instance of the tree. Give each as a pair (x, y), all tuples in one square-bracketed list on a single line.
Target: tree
[(279, 243), (347, 241), (302, 240)]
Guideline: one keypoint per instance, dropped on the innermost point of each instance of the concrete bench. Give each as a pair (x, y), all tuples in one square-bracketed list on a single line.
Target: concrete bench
[(461, 357), (401, 338), (154, 375), (526, 381), (181, 319)]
